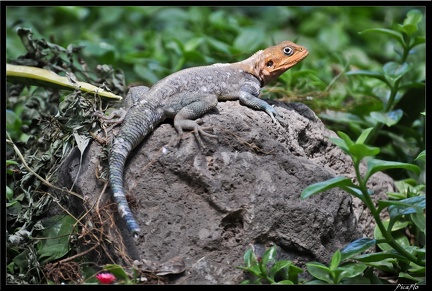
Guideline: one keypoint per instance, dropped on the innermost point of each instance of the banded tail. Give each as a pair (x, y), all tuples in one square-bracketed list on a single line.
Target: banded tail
[(139, 121)]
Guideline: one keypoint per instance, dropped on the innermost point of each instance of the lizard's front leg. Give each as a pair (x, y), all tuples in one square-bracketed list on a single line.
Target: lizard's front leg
[(185, 118), (249, 96)]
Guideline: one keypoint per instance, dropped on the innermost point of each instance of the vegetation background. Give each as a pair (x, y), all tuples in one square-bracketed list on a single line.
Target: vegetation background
[(147, 43)]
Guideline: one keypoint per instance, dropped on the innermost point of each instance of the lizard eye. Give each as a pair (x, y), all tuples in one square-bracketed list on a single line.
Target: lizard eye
[(269, 63), (288, 51)]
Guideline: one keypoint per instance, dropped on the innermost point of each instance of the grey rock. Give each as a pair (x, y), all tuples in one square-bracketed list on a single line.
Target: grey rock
[(210, 205)]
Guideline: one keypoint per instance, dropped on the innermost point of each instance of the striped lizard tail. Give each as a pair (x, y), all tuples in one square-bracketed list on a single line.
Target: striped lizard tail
[(130, 135)]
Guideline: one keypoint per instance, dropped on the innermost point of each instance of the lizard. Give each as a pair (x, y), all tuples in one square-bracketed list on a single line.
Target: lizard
[(187, 95)]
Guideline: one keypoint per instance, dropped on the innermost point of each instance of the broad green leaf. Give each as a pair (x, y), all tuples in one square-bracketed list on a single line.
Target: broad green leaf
[(340, 143), (389, 118), (419, 219), (387, 265), (356, 247), (320, 271), (407, 206), (335, 261), (346, 138), (361, 150), (117, 271), (55, 242), (414, 16), (293, 272), (192, 44), (395, 34), (254, 270), (269, 255), (352, 269), (410, 24), (249, 39), (407, 28), (395, 70), (421, 156), (326, 185), (249, 258), (375, 165), (398, 236), (279, 265), (354, 191), (363, 136)]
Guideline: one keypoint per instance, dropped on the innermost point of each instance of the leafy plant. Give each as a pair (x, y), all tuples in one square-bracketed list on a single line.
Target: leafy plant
[(266, 269), (336, 272), (398, 255), (399, 80)]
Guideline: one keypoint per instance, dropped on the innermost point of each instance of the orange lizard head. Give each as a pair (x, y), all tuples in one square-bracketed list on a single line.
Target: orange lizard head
[(272, 62)]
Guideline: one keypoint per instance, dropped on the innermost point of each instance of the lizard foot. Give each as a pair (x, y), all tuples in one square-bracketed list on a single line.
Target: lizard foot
[(193, 125)]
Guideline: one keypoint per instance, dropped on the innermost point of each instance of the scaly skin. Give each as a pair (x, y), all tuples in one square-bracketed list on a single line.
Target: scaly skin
[(189, 94)]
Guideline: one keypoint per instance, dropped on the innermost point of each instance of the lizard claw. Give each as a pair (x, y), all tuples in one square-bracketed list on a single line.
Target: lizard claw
[(273, 113)]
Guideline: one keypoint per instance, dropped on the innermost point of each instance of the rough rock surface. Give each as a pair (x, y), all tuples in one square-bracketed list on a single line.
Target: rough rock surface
[(210, 205)]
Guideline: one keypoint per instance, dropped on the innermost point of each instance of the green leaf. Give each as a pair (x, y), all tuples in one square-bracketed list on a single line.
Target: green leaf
[(411, 22), (419, 220), (375, 165), (55, 242), (269, 255), (340, 143), (395, 70), (359, 151), (377, 257), (395, 34), (249, 258), (354, 191), (398, 236), (117, 271), (407, 206), (320, 271), (387, 266), (352, 269), (335, 261), (421, 156), (9, 193), (291, 270), (363, 136), (345, 138), (412, 278), (326, 185), (249, 39), (284, 282), (356, 247), (418, 40), (389, 118)]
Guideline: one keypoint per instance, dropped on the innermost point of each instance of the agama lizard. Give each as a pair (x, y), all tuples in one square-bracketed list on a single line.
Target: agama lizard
[(189, 94)]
